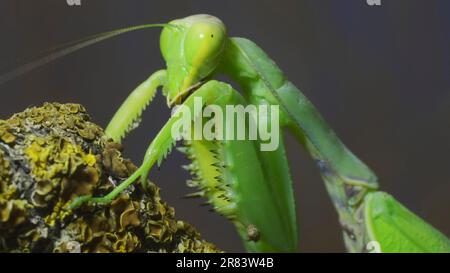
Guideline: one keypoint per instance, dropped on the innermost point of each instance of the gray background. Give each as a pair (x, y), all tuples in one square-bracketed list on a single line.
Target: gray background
[(379, 75)]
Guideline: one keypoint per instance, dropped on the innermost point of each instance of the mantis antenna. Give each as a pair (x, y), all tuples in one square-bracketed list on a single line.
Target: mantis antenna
[(70, 47)]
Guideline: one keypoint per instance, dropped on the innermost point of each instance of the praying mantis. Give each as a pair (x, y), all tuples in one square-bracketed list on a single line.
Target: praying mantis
[(253, 188)]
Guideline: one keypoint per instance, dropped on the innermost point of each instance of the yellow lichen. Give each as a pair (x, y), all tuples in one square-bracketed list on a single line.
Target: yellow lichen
[(90, 159), (59, 213), (62, 155), (13, 212), (7, 137), (6, 189)]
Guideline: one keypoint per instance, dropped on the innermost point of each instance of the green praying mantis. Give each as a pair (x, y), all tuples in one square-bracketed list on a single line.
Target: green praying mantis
[(253, 188)]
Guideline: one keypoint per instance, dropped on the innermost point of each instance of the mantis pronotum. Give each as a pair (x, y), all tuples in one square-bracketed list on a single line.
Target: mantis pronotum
[(250, 187)]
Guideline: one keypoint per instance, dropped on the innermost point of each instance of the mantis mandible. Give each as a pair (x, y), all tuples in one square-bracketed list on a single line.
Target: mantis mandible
[(253, 188)]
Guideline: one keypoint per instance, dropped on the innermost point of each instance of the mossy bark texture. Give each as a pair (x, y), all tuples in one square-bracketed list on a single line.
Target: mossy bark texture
[(52, 154)]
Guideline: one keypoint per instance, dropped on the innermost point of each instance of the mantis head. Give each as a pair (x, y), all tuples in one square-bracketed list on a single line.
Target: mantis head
[(192, 51)]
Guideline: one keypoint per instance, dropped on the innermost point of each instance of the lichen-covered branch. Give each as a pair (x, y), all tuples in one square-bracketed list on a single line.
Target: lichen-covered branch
[(52, 154)]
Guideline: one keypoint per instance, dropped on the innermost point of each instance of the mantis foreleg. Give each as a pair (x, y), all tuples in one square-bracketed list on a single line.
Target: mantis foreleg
[(163, 142), (252, 188), (127, 117)]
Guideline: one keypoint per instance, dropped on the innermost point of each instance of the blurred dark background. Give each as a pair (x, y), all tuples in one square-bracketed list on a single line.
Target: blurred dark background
[(378, 74)]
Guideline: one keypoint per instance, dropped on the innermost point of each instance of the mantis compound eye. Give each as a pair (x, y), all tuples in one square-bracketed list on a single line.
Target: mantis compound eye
[(203, 45)]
